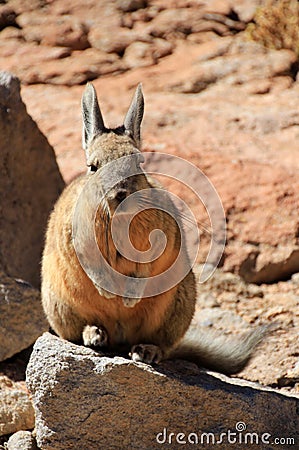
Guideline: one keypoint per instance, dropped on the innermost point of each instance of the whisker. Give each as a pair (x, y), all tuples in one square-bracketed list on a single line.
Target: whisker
[(188, 221)]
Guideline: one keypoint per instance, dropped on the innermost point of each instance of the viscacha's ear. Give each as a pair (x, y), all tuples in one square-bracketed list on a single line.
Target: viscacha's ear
[(93, 123), (134, 115)]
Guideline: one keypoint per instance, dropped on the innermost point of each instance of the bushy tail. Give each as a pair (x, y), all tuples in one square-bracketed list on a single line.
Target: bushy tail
[(208, 349)]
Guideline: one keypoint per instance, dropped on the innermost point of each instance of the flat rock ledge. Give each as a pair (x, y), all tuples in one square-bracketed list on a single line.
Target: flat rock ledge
[(86, 400)]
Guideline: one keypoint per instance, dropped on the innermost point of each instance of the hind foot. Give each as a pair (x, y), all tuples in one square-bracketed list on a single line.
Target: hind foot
[(146, 353)]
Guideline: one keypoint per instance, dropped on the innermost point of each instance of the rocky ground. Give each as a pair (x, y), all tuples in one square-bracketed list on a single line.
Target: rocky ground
[(214, 98)]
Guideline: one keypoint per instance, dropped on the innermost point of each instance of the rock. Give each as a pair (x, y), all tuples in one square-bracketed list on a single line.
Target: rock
[(172, 20), (295, 278), (22, 319), (141, 16), (71, 34), (290, 378), (270, 266), (56, 65), (30, 182), (138, 54), (32, 17), (15, 56), (21, 6), (213, 49), (235, 66), (16, 409), (147, 404), (219, 7), (108, 27), (54, 30), (76, 69), (244, 9), (161, 48), (7, 16), (219, 28), (103, 40), (11, 33), (22, 440), (131, 5), (141, 54)]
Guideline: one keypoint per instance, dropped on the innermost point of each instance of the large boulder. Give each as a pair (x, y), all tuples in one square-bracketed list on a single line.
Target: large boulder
[(30, 182), (85, 400)]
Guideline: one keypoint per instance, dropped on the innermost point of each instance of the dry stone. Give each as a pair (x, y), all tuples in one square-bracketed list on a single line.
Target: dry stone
[(236, 66), (184, 21), (141, 54), (22, 319), (16, 410), (102, 39), (85, 400), (22, 440), (59, 33), (75, 69), (30, 182)]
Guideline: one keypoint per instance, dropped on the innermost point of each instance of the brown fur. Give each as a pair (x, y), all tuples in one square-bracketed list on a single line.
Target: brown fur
[(155, 326), (65, 282)]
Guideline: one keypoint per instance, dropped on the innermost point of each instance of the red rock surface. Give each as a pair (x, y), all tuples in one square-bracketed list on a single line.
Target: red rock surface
[(212, 97)]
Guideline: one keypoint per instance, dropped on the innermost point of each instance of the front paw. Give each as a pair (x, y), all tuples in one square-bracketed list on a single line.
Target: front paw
[(146, 353), (94, 336)]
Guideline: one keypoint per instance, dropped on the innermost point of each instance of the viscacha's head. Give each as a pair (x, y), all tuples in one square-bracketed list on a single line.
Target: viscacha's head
[(115, 152)]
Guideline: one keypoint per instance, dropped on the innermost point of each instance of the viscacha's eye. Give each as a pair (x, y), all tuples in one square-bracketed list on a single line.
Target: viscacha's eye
[(93, 168)]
